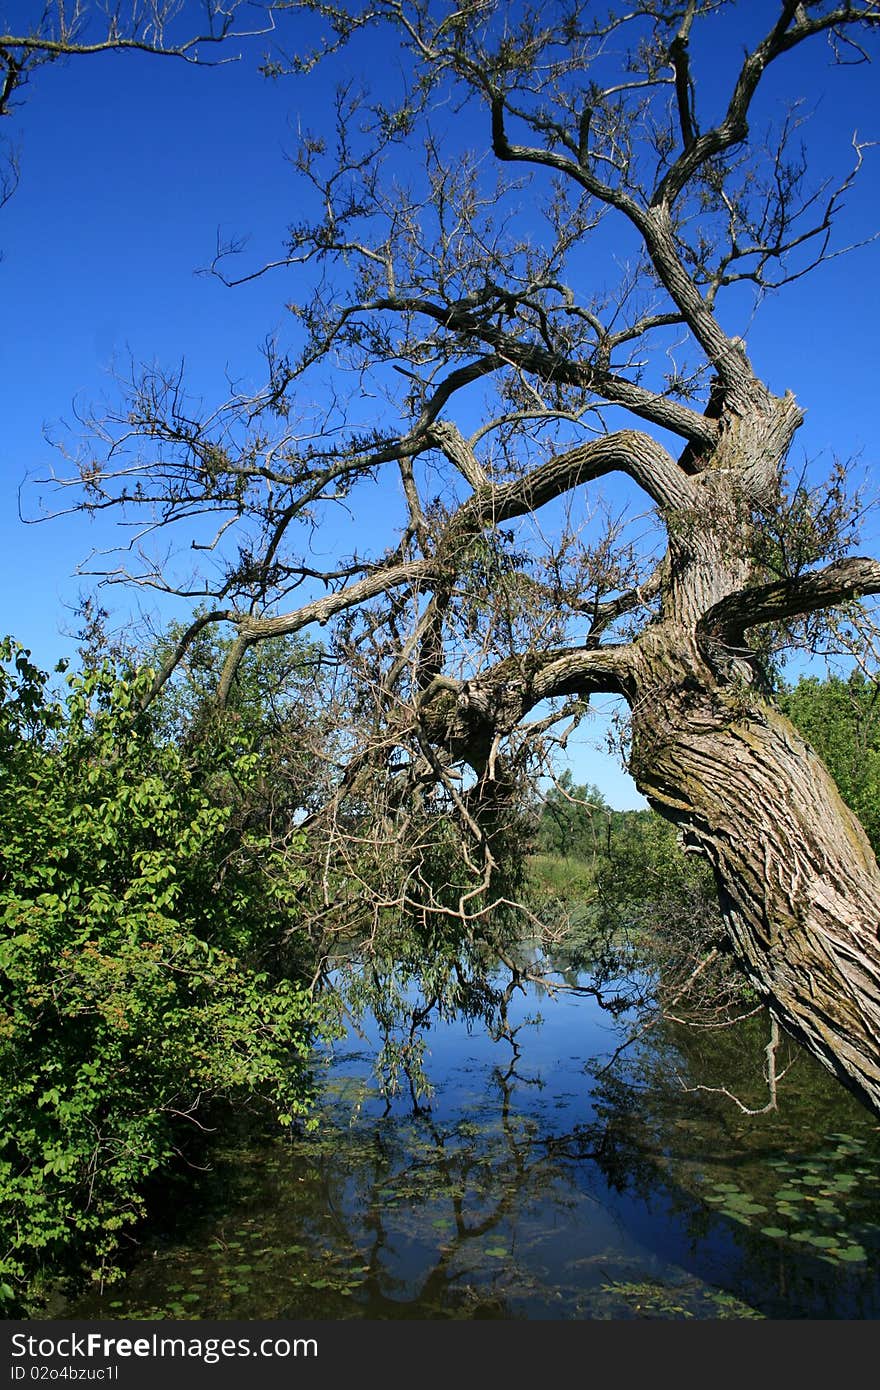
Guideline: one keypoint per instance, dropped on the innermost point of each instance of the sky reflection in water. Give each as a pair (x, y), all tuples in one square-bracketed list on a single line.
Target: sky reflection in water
[(527, 1188)]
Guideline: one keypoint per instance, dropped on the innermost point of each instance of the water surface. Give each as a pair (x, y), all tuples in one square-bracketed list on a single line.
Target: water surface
[(527, 1186)]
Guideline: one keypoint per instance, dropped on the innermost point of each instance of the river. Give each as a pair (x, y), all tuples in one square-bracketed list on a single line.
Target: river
[(531, 1184)]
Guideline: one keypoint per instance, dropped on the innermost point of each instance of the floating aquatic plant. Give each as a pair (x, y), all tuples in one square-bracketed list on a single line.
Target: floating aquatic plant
[(817, 1201)]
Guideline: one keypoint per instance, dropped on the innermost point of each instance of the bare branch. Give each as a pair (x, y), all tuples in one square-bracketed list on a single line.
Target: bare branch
[(838, 583)]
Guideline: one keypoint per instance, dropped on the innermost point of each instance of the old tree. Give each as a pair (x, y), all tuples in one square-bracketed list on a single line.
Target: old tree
[(519, 273)]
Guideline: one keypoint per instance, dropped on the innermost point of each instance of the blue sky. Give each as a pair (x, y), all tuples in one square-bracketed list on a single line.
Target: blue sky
[(130, 166)]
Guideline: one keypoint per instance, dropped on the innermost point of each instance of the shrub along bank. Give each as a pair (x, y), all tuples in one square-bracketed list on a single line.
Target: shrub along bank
[(142, 975)]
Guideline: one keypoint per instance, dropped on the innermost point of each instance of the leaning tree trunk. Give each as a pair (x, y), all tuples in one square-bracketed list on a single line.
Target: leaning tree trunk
[(798, 880)]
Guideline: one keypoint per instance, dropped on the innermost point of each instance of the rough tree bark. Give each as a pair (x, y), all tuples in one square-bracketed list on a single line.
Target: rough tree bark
[(799, 883)]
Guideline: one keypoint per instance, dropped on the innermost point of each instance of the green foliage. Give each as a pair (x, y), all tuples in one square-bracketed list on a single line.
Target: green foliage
[(663, 903), (687, 1298), (570, 880), (633, 908), (646, 876), (136, 919), (275, 680), (841, 720), (272, 707), (630, 864), (816, 1200), (574, 820)]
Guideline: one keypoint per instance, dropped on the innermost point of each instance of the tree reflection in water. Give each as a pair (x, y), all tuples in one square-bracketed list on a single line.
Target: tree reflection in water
[(527, 1186)]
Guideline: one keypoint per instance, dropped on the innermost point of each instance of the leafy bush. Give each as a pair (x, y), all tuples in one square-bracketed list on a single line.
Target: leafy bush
[(133, 919)]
